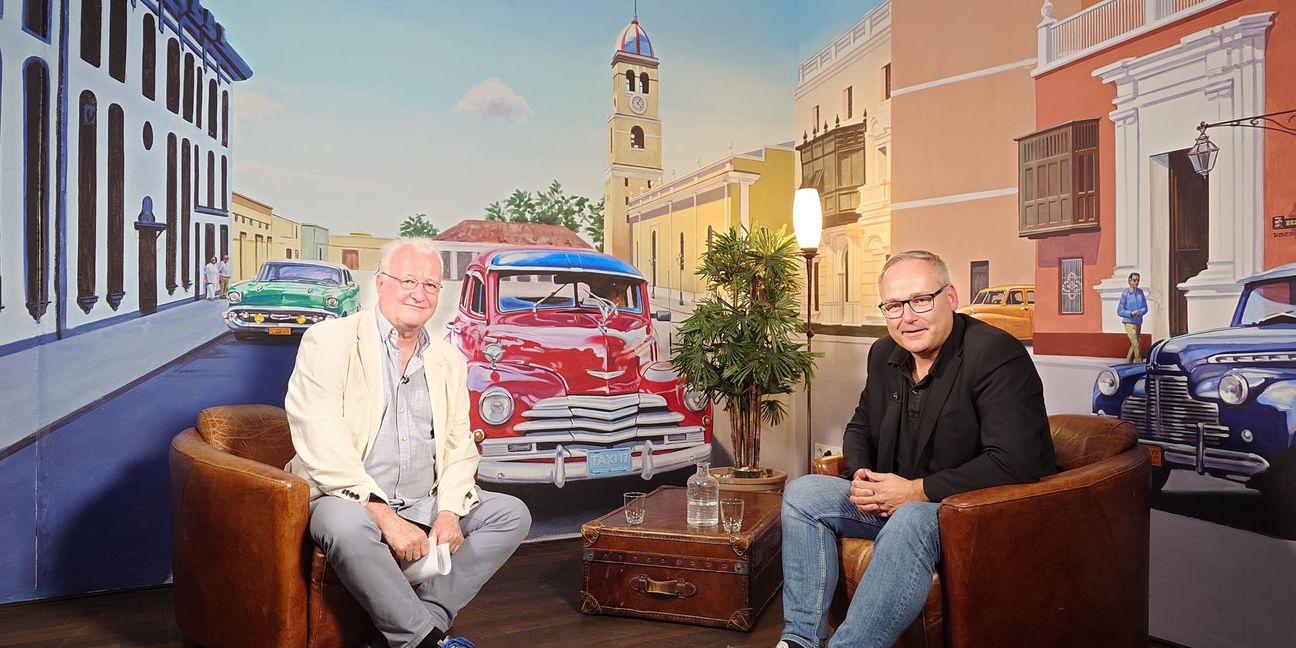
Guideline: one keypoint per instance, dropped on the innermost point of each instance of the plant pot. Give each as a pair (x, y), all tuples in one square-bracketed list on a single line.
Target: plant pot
[(772, 482)]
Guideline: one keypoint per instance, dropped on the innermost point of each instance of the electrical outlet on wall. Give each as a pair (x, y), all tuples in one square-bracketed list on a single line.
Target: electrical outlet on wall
[(823, 449)]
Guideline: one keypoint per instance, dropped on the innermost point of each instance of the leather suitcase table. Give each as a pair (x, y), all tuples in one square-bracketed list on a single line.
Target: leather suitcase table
[(666, 570)]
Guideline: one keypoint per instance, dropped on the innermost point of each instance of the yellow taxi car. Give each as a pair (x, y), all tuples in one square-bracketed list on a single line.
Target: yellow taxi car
[(1010, 307)]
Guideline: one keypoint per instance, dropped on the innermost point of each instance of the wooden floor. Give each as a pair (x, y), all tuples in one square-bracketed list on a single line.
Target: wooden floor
[(534, 600)]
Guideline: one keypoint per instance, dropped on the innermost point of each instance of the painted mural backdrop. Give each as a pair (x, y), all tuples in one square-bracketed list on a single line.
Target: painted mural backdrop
[(187, 185)]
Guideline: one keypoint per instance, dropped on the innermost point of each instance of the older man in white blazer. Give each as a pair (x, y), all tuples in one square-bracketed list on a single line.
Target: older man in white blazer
[(378, 408)]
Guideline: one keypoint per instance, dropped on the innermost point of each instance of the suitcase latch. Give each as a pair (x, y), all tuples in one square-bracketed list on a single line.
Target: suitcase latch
[(679, 588)]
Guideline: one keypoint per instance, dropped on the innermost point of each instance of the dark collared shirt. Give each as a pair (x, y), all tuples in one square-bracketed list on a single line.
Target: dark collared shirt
[(911, 400), (403, 459)]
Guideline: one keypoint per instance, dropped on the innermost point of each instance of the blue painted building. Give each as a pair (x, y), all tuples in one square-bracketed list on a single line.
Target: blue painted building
[(117, 155)]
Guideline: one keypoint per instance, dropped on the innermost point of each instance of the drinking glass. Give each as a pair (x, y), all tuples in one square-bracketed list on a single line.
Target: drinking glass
[(731, 515), (634, 507)]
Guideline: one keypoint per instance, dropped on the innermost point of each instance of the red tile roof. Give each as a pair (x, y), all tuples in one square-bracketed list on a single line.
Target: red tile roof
[(482, 231)]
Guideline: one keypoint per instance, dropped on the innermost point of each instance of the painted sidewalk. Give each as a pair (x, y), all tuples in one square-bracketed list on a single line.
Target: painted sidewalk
[(41, 385)]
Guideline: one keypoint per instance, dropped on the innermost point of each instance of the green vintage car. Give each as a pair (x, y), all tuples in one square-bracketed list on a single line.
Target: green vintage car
[(288, 295)]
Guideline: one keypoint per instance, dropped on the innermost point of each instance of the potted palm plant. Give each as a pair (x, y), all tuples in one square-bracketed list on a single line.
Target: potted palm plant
[(738, 346)]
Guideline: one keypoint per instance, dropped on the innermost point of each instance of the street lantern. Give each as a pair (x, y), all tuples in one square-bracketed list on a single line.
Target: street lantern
[(1203, 153)]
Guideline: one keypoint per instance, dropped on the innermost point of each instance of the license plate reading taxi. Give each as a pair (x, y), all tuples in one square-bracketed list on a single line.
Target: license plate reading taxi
[(279, 330), (613, 461), (1155, 453)]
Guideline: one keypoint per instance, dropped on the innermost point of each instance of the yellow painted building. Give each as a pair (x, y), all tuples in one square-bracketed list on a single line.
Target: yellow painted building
[(287, 238), (634, 135), (357, 250), (671, 223), (251, 236), (842, 108)]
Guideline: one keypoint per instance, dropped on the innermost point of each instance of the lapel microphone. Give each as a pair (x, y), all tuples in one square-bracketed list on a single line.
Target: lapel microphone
[(404, 380)]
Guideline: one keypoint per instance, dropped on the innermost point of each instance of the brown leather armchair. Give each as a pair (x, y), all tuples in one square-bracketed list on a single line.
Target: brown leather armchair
[(246, 571), (1061, 562)]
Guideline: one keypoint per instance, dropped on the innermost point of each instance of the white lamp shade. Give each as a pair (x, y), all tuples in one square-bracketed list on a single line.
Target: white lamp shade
[(807, 218)]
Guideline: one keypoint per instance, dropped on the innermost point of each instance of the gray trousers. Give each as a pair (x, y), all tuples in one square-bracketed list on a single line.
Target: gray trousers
[(404, 615)]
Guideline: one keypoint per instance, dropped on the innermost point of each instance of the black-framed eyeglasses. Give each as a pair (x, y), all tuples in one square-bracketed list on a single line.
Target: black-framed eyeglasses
[(430, 287), (917, 303)]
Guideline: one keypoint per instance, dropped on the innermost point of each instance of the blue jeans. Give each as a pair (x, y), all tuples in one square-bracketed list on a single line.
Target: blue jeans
[(816, 512)]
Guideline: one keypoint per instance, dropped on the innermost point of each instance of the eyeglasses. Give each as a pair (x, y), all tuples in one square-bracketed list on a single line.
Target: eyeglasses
[(429, 287), (918, 303)]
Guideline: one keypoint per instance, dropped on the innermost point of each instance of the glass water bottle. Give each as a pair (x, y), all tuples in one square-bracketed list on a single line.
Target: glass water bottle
[(703, 497)]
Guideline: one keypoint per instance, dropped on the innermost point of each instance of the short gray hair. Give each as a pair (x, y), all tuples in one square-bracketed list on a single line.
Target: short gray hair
[(937, 264), (423, 244)]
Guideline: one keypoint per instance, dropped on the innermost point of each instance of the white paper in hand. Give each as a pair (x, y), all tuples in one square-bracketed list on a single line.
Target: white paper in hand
[(435, 563)]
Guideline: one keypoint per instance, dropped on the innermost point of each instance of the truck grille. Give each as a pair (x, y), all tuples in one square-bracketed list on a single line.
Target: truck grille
[(1169, 413), (581, 423)]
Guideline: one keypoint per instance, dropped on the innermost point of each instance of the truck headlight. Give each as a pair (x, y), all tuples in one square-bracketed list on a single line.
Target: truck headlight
[(1108, 382), (332, 302), (234, 297), (1233, 389), (495, 406), (695, 400)]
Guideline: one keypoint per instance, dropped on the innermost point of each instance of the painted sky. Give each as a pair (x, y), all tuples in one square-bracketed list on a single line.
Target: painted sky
[(362, 112)]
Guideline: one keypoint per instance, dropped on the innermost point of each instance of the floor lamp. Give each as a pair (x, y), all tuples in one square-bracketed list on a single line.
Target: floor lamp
[(807, 222)]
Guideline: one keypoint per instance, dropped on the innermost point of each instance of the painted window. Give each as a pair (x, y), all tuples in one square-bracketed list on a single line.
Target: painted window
[(833, 163), (36, 18), (173, 76), (1071, 285), (886, 81), (643, 82), (186, 194), (87, 198), (148, 57), (211, 108), (1058, 180), (630, 80), (118, 40), (224, 182), (116, 205), (198, 100), (188, 86), (91, 31), (225, 118), (172, 194), (36, 96), (848, 102), (636, 137), (211, 179)]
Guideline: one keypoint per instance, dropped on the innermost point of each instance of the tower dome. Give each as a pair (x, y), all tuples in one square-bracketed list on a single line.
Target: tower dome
[(634, 40)]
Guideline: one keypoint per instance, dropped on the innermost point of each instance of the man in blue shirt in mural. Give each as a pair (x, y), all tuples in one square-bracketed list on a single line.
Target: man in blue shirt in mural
[(1131, 309)]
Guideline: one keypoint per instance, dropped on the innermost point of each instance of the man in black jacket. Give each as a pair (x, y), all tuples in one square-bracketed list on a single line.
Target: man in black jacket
[(950, 404)]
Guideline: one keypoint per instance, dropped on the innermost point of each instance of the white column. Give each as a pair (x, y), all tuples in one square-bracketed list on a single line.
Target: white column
[(1132, 223)]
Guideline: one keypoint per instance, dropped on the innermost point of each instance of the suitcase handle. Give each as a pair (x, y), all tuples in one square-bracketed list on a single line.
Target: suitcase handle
[(678, 588)]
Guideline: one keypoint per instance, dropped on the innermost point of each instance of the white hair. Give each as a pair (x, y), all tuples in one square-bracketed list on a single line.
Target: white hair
[(421, 244), (937, 264)]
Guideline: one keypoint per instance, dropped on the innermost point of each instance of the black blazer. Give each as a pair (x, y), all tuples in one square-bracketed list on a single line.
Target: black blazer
[(983, 423)]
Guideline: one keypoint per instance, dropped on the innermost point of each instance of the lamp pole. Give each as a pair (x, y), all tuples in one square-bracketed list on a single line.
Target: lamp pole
[(807, 221), (809, 254)]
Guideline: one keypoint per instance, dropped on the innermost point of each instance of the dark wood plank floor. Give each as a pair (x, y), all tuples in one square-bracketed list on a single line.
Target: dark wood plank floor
[(534, 600)]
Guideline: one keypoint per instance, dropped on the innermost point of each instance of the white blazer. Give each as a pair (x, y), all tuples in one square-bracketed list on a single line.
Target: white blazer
[(335, 405)]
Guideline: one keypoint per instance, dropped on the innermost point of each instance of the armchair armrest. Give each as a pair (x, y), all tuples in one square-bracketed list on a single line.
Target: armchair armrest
[(1068, 552), (238, 528), (831, 465)]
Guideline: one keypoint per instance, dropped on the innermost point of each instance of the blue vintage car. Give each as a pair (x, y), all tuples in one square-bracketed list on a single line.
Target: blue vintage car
[(1219, 402)]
